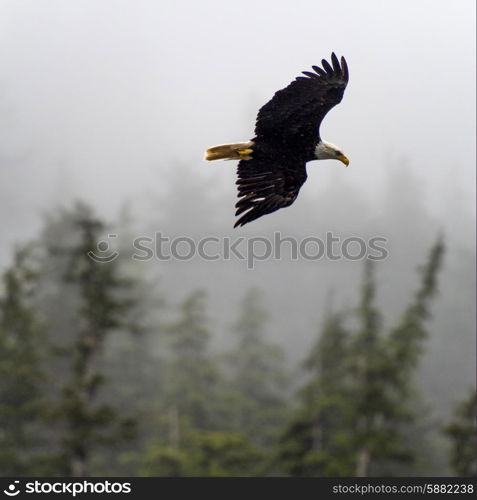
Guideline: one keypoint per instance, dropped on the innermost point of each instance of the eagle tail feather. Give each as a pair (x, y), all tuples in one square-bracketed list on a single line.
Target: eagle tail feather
[(234, 151)]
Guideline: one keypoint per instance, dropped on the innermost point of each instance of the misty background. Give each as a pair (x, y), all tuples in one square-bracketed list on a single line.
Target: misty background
[(114, 103)]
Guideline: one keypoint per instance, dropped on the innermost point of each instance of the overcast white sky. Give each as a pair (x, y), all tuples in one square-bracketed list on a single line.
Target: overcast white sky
[(98, 97)]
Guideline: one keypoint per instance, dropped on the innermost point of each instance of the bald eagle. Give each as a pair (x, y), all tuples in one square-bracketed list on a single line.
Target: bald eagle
[(272, 166)]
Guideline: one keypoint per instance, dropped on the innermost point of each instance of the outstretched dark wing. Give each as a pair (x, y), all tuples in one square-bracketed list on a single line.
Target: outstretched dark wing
[(294, 114), (264, 187)]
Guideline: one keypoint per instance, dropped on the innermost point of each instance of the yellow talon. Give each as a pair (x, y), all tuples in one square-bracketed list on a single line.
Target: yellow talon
[(245, 154)]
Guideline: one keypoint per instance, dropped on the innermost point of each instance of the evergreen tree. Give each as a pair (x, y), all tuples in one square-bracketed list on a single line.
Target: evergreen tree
[(224, 453), (203, 454), (383, 372), (194, 431), (134, 373), (192, 377), (378, 415), (405, 347), (462, 432), (317, 440), (258, 378), (134, 358), (102, 308), (374, 388), (22, 336), (406, 339)]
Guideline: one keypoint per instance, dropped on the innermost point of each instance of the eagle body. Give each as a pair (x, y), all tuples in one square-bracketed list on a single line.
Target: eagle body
[(272, 166)]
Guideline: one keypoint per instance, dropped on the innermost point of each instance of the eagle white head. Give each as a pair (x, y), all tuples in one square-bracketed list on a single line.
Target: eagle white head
[(328, 151)]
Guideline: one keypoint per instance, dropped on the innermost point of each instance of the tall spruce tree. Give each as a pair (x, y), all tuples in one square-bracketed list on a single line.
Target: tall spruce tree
[(317, 440), (192, 377), (194, 434), (102, 307), (462, 431), (378, 414), (23, 404), (384, 367), (375, 388), (258, 378), (406, 339)]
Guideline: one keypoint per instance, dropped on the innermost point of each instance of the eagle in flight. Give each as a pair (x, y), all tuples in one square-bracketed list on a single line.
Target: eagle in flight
[(272, 166)]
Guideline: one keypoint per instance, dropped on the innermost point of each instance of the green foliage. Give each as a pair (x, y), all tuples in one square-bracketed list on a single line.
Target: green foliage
[(378, 414), (258, 380), (192, 379), (208, 426), (83, 349), (204, 454), (316, 441), (221, 453), (23, 406), (357, 406), (462, 432), (407, 337), (163, 461), (102, 308)]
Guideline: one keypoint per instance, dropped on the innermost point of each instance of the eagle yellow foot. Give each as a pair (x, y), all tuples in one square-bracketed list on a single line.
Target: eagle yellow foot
[(245, 154)]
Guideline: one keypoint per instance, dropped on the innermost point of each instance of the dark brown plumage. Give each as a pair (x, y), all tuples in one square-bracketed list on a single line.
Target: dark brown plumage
[(287, 133)]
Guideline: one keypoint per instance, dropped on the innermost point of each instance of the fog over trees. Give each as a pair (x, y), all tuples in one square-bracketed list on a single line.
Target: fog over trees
[(141, 335)]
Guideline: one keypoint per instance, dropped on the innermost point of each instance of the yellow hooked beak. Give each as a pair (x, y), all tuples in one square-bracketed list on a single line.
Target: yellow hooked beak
[(343, 159)]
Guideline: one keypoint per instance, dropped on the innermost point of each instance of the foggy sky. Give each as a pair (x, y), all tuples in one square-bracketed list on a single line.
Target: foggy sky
[(116, 100), (98, 99)]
